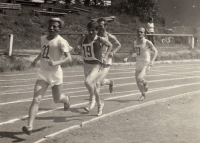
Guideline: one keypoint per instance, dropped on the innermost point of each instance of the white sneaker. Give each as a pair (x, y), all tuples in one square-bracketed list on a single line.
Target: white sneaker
[(142, 97), (100, 108), (90, 106)]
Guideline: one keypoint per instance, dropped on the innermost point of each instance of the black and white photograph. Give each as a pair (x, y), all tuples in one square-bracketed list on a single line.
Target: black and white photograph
[(99, 71)]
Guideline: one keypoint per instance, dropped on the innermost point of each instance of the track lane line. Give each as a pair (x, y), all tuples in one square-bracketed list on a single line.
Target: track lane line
[(120, 111), (117, 85), (157, 66), (106, 99)]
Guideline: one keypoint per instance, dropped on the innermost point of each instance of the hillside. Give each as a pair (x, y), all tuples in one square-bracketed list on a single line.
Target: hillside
[(27, 28)]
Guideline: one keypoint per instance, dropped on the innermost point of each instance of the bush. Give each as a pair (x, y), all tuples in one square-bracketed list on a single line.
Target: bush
[(13, 64)]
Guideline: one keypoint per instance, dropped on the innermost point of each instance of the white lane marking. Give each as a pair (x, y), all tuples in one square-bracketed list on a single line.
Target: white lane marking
[(67, 83), (167, 65), (71, 76), (116, 97), (39, 113), (65, 71), (117, 85), (154, 69), (59, 132), (74, 82), (13, 80), (126, 109)]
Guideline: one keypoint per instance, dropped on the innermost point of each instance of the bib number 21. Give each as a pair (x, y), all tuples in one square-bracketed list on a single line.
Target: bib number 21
[(45, 51)]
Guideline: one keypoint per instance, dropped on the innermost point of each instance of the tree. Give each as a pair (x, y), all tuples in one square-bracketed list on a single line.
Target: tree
[(87, 3), (141, 8)]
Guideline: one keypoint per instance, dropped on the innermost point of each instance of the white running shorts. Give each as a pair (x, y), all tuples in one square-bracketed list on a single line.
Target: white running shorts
[(141, 65), (51, 77), (89, 67)]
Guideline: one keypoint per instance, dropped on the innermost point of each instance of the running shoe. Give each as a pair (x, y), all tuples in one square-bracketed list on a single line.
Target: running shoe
[(27, 130), (111, 86), (142, 97), (87, 109), (90, 106), (100, 108), (67, 104)]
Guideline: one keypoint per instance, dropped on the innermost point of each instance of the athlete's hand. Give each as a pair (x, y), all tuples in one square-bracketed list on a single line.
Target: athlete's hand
[(33, 64), (104, 60), (111, 54), (125, 60), (151, 64), (51, 62), (77, 50)]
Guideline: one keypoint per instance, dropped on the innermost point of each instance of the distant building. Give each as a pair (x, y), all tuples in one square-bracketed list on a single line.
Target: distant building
[(107, 2)]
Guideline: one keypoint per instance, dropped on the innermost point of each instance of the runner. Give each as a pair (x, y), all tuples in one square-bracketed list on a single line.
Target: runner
[(142, 47), (53, 47), (103, 33), (91, 48)]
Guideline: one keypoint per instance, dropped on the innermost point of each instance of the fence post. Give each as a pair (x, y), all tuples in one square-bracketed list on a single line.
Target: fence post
[(10, 45), (192, 42)]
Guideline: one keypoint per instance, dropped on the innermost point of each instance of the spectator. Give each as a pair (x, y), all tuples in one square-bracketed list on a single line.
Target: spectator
[(150, 30)]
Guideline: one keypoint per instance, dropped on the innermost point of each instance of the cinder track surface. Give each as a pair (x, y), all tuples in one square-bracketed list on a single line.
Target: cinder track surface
[(166, 81)]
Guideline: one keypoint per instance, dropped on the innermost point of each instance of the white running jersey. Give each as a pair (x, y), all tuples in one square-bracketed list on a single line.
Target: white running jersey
[(150, 27), (54, 50), (104, 47), (143, 53)]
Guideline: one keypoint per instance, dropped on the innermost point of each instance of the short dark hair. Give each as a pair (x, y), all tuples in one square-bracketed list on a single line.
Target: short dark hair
[(93, 24), (142, 28), (57, 19), (102, 19)]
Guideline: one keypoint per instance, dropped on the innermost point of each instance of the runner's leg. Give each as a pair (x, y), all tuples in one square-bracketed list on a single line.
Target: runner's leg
[(39, 91), (139, 76), (90, 83), (59, 97)]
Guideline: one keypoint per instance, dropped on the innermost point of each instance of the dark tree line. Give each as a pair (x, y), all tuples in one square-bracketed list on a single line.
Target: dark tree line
[(140, 8)]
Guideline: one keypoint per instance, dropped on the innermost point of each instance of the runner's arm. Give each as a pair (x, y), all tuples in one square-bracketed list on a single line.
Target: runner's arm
[(77, 49), (155, 51), (130, 54), (109, 44), (67, 58), (36, 59), (116, 42)]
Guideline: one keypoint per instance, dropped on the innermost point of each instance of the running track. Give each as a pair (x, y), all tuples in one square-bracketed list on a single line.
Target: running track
[(165, 80)]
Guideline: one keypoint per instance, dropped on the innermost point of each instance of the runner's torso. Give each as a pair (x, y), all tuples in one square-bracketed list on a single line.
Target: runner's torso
[(142, 51), (53, 49), (92, 51)]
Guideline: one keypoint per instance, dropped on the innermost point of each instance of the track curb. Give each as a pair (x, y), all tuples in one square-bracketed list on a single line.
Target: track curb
[(159, 62), (124, 110), (131, 108)]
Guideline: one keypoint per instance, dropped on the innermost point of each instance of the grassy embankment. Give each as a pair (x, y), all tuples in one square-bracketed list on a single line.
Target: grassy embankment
[(28, 28)]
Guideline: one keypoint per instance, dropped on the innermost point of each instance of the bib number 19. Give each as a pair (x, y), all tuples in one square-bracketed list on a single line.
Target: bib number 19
[(87, 51)]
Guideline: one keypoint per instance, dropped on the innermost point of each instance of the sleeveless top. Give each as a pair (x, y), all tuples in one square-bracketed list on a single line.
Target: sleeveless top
[(104, 46), (92, 52), (142, 51), (150, 27), (53, 49)]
